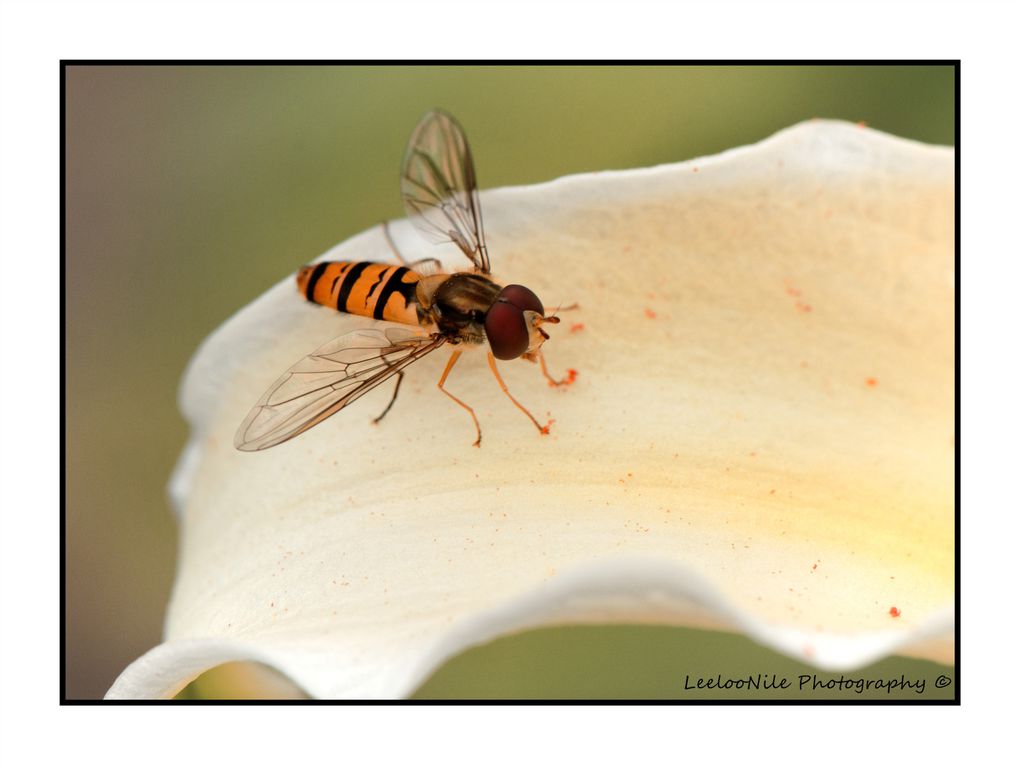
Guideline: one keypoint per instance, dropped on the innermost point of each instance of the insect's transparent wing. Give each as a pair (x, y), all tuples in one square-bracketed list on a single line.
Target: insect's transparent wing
[(326, 381), (440, 191)]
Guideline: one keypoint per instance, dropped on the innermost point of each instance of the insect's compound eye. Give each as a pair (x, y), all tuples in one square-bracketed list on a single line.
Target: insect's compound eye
[(506, 330), (522, 297)]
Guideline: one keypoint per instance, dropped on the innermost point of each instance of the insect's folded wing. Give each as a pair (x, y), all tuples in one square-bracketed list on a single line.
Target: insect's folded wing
[(326, 381), (439, 187)]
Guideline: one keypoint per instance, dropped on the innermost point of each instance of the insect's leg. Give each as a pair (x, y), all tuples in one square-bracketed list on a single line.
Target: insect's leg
[(396, 390), (449, 365), (543, 429), (568, 380), (393, 246)]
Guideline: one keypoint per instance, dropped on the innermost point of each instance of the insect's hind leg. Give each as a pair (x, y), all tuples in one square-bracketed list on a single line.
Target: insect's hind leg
[(446, 372), (401, 258), (396, 390)]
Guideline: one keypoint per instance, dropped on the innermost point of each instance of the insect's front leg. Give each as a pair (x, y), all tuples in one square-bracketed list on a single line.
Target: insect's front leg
[(536, 356), (543, 429)]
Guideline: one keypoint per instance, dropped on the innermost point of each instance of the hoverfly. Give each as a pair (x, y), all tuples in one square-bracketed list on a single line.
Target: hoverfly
[(461, 309)]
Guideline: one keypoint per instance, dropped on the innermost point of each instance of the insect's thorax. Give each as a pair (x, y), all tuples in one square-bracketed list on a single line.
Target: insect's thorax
[(457, 303)]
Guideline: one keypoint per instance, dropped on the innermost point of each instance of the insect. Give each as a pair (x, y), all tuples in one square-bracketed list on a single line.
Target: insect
[(461, 310)]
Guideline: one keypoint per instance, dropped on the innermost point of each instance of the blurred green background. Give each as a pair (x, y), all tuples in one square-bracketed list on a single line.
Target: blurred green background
[(190, 190)]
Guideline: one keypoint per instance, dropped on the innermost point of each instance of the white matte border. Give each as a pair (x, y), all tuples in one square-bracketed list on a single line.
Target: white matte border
[(34, 36)]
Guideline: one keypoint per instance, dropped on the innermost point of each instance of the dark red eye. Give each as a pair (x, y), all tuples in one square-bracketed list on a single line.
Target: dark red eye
[(522, 297), (506, 329)]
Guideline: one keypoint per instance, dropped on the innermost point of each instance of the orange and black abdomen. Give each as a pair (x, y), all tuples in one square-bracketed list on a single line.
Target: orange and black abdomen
[(376, 290)]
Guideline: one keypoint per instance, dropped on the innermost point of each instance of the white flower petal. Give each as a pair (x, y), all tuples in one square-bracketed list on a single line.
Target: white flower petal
[(760, 438)]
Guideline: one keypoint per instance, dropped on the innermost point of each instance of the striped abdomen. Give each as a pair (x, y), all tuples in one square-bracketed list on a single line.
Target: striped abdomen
[(368, 289)]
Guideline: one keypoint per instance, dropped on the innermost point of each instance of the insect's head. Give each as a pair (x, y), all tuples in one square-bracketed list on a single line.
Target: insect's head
[(513, 323)]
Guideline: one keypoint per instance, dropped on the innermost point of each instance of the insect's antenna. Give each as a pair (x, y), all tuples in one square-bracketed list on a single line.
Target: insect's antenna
[(540, 320)]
